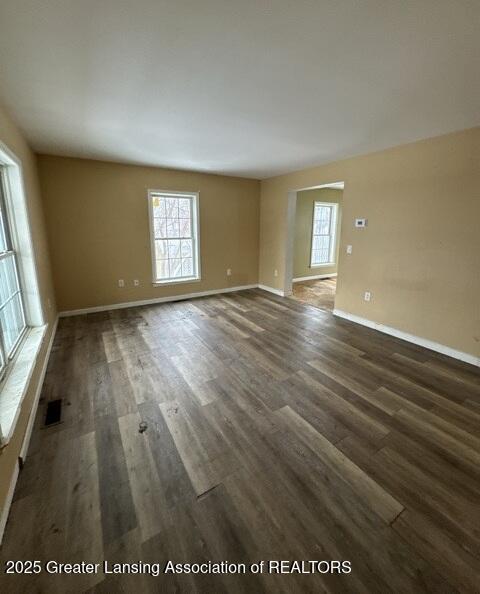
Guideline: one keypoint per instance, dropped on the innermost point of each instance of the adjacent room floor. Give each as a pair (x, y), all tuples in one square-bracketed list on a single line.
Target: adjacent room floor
[(318, 292), (248, 427)]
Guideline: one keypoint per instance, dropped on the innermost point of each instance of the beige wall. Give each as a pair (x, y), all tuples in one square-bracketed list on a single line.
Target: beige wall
[(12, 138), (98, 229), (302, 246), (419, 255)]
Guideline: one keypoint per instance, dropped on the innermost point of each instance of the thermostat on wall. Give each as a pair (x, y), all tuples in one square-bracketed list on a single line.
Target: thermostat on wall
[(360, 223)]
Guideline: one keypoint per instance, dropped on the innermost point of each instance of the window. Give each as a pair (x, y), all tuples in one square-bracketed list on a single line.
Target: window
[(174, 236), (22, 323), (323, 234), (12, 314)]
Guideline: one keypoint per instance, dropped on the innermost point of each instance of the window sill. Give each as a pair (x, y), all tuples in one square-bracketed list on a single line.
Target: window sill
[(16, 383), (180, 281), (323, 265)]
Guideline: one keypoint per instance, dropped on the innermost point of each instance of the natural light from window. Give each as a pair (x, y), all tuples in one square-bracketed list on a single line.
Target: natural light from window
[(12, 315), (174, 235), (323, 234)]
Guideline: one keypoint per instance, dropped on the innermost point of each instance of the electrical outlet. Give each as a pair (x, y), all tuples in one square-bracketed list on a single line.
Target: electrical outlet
[(275, 272), (229, 272), (349, 249), (367, 296), (136, 283), (121, 282)]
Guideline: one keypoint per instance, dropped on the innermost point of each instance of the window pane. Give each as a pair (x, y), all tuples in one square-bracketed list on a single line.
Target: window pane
[(173, 228), (321, 256), (185, 228), (171, 205), (8, 278), (187, 248), (324, 256), (187, 267), (184, 208), (322, 220), (160, 227), (174, 248), (324, 227), (12, 322), (175, 268), (322, 242), (161, 249), (158, 207), (162, 269)]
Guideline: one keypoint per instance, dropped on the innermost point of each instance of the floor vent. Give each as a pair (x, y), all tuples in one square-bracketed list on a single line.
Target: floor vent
[(54, 412)]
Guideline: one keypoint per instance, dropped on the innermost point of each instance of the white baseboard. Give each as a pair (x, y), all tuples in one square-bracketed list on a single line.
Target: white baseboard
[(33, 412), (313, 277), (77, 312), (424, 342), (278, 292), (8, 502)]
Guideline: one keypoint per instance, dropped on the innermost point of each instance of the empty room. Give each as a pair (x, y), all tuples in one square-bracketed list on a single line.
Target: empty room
[(239, 296)]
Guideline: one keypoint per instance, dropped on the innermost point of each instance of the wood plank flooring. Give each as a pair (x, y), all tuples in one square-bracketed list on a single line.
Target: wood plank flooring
[(319, 292), (273, 431)]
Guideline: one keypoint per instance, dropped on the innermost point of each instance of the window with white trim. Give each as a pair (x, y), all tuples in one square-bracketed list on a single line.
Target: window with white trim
[(22, 321), (323, 234), (174, 236), (12, 313)]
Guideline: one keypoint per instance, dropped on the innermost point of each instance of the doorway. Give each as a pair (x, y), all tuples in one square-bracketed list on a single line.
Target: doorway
[(316, 217)]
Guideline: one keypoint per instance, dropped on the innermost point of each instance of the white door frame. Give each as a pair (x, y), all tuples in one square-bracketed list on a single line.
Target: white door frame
[(290, 240)]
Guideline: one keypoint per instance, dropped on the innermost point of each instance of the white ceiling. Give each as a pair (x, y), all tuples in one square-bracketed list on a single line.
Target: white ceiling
[(243, 87)]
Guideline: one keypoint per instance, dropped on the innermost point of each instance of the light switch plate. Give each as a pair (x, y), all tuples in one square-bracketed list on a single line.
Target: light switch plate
[(349, 249)]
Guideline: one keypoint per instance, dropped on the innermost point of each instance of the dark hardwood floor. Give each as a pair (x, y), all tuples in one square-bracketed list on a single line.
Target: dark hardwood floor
[(270, 431), (318, 292)]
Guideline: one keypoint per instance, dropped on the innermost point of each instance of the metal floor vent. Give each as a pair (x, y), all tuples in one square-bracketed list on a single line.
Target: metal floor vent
[(54, 412)]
